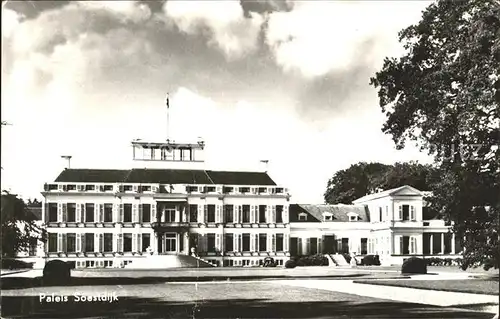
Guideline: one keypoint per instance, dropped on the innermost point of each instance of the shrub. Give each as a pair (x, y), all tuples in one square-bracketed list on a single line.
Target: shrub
[(370, 260), (290, 263), (414, 265), (15, 264), (56, 272), (347, 257), (314, 260)]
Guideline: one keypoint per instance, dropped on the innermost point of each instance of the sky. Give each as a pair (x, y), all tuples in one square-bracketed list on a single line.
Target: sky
[(282, 81)]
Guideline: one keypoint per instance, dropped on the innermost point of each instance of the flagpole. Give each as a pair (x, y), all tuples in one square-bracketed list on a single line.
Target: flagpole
[(168, 118)]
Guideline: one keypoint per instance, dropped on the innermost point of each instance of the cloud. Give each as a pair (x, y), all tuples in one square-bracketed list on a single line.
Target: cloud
[(127, 10), (224, 21), (10, 21), (318, 37)]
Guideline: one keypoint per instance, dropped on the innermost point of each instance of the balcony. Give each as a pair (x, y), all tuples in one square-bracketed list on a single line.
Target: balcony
[(169, 226)]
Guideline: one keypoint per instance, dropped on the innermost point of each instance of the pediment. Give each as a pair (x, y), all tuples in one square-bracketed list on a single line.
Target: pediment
[(407, 191)]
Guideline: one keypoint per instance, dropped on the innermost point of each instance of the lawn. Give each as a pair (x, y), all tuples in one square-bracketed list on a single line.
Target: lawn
[(475, 286), (216, 300)]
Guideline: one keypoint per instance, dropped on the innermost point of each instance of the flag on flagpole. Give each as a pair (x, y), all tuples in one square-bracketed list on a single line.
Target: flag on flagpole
[(167, 101)]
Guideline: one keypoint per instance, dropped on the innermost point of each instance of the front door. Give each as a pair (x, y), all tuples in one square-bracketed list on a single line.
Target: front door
[(170, 243)]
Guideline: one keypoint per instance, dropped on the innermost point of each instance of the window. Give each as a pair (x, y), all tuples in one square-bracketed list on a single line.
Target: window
[(169, 214), (262, 242), (52, 242), (108, 213), (246, 242), (229, 242), (89, 242), (380, 213), (413, 245), (302, 217), (89, 213), (108, 188), (246, 213), (127, 213), (279, 213), (145, 188), (71, 211), (193, 213), (53, 212), (211, 243), (279, 242), (406, 212), (71, 243), (146, 241), (228, 213), (211, 213), (313, 246), (127, 242), (364, 248), (108, 242), (89, 187), (127, 188), (404, 245), (146, 213), (327, 217), (71, 187), (262, 213)]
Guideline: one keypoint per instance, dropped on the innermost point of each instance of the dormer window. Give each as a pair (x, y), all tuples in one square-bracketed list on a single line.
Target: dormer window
[(353, 217), (327, 216), (302, 217)]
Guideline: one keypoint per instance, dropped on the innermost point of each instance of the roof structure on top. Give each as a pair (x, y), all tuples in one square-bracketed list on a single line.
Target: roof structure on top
[(164, 176)]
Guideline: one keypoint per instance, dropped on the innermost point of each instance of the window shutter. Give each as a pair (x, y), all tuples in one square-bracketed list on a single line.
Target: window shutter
[(252, 214), (135, 213), (235, 242), (82, 211), (218, 244), (120, 216), (120, 243), (46, 213), (82, 236), (153, 213), (235, 214), (101, 242), (78, 247), (64, 242), (320, 244), (400, 246), (205, 213), (268, 214), (257, 248), (141, 212), (273, 214), (59, 212), (64, 212), (285, 214), (252, 242), (273, 242), (269, 242), (97, 245), (286, 240), (97, 212), (299, 246), (139, 242), (200, 213), (218, 218), (400, 212), (412, 212), (240, 214), (134, 242), (101, 213)]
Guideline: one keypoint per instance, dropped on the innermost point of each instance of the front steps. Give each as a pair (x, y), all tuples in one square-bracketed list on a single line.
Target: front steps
[(339, 260), (168, 261)]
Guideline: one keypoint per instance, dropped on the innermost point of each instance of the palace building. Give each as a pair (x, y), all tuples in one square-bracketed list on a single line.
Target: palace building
[(170, 204)]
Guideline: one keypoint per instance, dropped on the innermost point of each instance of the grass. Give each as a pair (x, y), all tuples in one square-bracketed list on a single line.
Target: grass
[(474, 286), (217, 300)]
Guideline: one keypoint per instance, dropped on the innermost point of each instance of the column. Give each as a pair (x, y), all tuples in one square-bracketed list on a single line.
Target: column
[(442, 243), (453, 243), (177, 242), (432, 243), (154, 243), (177, 213), (162, 239)]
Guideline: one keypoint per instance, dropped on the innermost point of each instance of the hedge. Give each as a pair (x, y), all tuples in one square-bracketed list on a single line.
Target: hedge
[(314, 260), (414, 265)]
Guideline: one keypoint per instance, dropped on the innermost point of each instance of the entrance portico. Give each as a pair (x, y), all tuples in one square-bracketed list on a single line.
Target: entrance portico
[(171, 227)]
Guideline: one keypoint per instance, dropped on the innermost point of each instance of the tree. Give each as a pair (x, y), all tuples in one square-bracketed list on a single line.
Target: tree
[(19, 229), (366, 178), (444, 95)]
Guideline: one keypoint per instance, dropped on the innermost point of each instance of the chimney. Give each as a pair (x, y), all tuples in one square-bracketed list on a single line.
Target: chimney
[(264, 165), (68, 160)]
